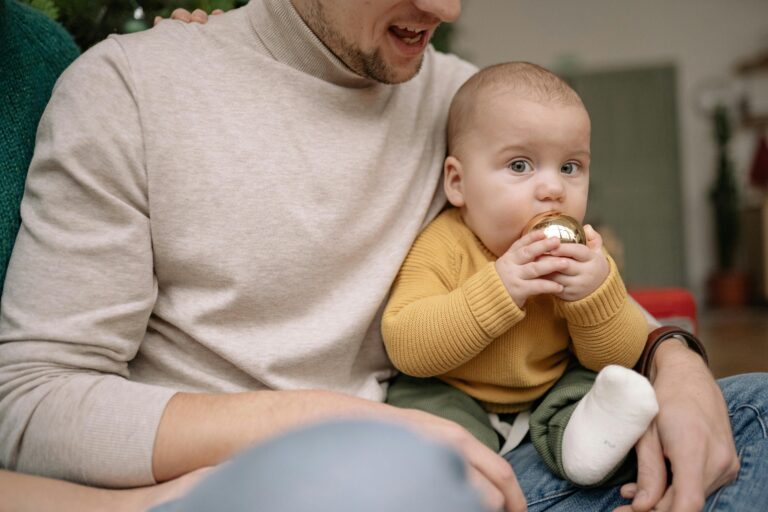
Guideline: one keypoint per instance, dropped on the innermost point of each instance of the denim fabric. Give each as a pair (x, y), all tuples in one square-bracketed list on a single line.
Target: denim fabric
[(346, 466), (747, 399)]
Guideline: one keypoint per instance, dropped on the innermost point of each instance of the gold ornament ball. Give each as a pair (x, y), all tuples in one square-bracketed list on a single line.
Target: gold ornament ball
[(557, 225)]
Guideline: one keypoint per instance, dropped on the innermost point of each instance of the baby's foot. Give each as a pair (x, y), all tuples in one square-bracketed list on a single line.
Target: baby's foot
[(607, 423)]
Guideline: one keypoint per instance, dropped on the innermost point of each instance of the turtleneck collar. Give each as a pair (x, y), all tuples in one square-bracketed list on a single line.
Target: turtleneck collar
[(290, 41)]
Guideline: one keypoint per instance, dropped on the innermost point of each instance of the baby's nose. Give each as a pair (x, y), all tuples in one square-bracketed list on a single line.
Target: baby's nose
[(550, 187)]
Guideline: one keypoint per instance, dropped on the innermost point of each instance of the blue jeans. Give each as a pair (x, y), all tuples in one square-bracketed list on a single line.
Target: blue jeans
[(363, 465), (747, 399)]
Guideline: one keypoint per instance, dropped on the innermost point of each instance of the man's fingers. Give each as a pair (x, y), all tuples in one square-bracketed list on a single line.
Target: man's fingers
[(687, 479), (200, 16), (497, 473), (651, 471), (181, 15), (217, 11), (492, 497), (628, 491), (503, 478), (492, 475)]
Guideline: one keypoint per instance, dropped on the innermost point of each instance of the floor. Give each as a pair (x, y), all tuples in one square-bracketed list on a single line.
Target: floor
[(736, 340)]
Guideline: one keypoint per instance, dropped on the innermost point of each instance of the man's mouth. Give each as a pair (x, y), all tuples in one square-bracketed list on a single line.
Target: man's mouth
[(409, 35)]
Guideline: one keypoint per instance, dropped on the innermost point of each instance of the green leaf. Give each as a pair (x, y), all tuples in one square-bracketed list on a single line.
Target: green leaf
[(47, 7)]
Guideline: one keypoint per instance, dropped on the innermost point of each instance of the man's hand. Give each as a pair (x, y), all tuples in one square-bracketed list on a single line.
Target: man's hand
[(524, 266), (195, 419), (586, 269), (491, 474), (196, 16), (692, 431)]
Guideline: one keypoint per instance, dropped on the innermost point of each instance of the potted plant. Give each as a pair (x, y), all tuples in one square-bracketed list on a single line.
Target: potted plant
[(728, 286)]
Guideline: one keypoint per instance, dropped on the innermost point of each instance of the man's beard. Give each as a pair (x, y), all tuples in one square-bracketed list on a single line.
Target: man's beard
[(369, 65), (373, 66)]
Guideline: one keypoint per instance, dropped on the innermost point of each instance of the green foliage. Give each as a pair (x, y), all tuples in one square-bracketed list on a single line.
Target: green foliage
[(441, 39), (725, 194), (48, 7), (90, 21)]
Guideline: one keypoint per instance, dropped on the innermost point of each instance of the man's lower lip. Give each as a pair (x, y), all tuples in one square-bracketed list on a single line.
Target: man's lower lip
[(410, 50)]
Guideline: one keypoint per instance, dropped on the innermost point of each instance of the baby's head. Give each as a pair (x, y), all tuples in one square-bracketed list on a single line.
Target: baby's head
[(518, 145)]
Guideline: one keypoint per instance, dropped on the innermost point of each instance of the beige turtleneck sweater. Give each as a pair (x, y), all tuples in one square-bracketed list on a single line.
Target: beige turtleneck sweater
[(219, 208)]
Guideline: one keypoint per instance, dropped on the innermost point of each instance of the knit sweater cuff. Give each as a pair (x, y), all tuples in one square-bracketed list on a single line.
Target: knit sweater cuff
[(488, 299), (599, 306)]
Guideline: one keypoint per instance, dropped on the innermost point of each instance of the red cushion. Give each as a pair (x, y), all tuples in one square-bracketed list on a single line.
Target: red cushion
[(674, 306)]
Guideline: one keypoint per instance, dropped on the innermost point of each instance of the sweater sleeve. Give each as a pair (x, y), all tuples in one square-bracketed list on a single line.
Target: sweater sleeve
[(80, 289), (606, 327), (430, 325)]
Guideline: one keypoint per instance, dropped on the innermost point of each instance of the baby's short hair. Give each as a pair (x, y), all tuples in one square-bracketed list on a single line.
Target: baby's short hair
[(527, 80)]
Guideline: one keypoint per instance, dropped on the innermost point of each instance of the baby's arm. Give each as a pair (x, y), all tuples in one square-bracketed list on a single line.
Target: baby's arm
[(606, 327), (431, 324)]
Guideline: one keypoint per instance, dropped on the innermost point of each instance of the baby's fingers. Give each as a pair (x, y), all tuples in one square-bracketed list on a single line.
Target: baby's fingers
[(543, 287), (531, 246), (594, 240), (545, 266)]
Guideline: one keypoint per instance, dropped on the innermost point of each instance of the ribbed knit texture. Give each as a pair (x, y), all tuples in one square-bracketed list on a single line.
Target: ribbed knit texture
[(33, 52), (207, 211), (450, 316)]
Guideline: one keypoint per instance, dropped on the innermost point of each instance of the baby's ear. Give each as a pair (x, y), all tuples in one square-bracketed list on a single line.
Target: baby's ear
[(453, 181)]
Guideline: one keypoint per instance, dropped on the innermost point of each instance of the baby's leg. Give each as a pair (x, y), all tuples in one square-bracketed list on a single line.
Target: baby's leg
[(606, 424), (441, 399)]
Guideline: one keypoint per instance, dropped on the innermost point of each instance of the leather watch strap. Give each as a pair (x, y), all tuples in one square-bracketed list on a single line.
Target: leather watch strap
[(657, 337)]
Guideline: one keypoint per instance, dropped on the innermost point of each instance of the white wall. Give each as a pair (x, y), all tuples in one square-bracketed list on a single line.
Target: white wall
[(703, 38)]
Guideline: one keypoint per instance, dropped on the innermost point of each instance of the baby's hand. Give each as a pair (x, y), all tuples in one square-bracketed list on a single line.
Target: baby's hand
[(524, 266), (586, 268)]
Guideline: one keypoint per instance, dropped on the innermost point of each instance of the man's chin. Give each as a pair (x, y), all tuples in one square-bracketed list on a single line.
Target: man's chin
[(395, 73)]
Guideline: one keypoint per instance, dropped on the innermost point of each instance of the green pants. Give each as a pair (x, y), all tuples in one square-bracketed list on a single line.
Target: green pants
[(549, 415)]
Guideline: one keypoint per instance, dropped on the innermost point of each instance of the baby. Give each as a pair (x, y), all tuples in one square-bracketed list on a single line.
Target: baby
[(486, 321)]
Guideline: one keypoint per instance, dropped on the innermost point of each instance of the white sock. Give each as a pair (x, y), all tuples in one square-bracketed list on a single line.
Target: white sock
[(607, 423)]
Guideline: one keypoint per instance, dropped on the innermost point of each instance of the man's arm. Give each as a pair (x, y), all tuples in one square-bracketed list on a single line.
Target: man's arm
[(80, 289), (692, 431), (29, 493), (199, 430)]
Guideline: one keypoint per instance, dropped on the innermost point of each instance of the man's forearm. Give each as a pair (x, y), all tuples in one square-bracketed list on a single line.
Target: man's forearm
[(674, 353), (23, 492), (199, 429)]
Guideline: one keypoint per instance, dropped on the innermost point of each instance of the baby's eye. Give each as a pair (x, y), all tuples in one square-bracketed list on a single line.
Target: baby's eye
[(569, 168), (519, 166)]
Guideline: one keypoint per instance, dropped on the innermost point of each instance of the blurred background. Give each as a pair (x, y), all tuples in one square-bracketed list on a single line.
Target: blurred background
[(678, 95)]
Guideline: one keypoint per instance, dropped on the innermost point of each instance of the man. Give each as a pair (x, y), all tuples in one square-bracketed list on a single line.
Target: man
[(212, 220)]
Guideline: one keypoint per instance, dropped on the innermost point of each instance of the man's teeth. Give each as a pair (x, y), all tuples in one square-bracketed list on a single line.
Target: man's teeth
[(412, 40), (409, 35), (409, 29)]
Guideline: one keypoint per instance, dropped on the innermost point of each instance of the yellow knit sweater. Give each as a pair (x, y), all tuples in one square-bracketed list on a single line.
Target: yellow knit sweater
[(450, 316)]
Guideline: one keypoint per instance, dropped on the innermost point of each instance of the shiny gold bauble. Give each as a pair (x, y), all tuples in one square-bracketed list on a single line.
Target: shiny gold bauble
[(557, 225)]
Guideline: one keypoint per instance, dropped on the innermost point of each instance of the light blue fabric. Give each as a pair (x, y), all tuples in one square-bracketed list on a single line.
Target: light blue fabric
[(747, 398), (349, 466)]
